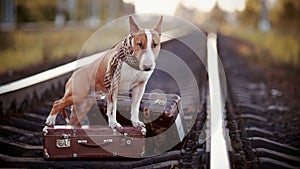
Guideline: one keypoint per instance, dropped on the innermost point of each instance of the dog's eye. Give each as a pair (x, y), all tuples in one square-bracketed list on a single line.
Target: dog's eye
[(154, 45), (140, 45)]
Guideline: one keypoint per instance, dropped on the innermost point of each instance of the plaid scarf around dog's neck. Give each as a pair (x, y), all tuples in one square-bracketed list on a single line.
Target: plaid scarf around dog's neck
[(113, 73)]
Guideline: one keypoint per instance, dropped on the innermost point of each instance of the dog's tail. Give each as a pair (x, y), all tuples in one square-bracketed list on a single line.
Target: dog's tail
[(64, 114)]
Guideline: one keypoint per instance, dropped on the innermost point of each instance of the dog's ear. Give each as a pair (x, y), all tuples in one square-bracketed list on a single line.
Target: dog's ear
[(133, 26), (157, 28)]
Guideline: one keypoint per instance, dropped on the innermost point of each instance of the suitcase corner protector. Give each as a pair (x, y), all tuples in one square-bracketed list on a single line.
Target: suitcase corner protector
[(143, 131), (46, 155), (45, 130)]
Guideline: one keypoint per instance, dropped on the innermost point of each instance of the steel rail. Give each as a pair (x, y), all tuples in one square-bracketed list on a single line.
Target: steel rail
[(219, 157)]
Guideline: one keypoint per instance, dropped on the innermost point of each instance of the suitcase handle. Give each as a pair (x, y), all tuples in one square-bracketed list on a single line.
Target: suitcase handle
[(86, 144)]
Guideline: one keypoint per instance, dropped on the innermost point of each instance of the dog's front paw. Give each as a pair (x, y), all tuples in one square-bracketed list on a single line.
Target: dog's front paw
[(50, 122), (115, 125), (138, 124)]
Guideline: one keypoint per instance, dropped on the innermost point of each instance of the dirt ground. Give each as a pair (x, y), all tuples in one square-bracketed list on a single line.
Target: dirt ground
[(287, 81)]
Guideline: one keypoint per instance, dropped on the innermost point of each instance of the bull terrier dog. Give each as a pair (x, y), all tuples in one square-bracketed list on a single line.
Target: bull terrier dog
[(126, 66)]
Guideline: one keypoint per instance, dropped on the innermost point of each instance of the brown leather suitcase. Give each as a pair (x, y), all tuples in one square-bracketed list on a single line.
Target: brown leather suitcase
[(161, 114), (157, 111), (65, 142)]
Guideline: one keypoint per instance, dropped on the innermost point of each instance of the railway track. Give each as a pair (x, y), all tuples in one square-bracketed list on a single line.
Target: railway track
[(257, 140), (250, 139)]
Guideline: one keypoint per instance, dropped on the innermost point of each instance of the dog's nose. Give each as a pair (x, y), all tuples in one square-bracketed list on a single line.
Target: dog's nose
[(147, 67)]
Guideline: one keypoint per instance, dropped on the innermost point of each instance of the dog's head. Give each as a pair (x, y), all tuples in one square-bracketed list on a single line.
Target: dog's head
[(146, 44)]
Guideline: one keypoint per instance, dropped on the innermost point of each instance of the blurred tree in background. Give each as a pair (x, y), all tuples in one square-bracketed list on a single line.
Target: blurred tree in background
[(283, 14), (251, 13), (286, 15), (73, 10), (35, 11)]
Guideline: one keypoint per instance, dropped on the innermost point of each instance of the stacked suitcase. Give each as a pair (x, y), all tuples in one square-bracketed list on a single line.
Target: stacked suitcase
[(161, 114)]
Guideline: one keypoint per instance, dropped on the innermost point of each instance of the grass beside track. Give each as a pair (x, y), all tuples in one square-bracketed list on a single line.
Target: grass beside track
[(281, 48), (22, 49)]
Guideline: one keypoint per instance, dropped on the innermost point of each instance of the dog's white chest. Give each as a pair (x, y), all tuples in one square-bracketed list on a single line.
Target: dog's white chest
[(131, 77)]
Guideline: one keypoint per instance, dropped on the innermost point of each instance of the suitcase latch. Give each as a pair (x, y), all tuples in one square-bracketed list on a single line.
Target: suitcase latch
[(126, 141), (63, 143)]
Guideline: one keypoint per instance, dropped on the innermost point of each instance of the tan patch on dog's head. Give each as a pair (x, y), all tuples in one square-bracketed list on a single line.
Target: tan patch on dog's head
[(139, 40), (146, 44)]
